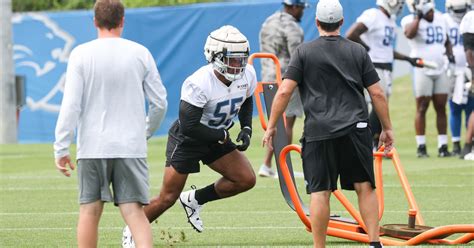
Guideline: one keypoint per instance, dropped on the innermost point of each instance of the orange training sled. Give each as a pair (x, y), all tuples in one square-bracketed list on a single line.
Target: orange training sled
[(400, 235)]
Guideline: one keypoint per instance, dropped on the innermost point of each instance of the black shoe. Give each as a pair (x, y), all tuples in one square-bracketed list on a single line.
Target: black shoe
[(443, 151), (421, 152), (456, 149), (467, 149)]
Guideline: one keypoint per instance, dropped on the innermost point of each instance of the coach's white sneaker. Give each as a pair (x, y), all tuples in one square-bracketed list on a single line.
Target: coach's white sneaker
[(127, 240), (266, 171), (192, 208), (469, 156)]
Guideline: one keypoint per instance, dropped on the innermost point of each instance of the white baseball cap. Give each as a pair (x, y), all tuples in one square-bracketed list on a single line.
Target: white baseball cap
[(329, 11)]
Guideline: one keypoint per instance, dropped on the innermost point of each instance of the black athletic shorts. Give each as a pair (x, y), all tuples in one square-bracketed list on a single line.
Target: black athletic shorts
[(184, 153), (349, 156)]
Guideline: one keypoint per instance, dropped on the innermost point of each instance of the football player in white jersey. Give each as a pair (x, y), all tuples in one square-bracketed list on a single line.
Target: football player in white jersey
[(467, 29), (375, 29), (210, 99), (459, 99), (427, 33)]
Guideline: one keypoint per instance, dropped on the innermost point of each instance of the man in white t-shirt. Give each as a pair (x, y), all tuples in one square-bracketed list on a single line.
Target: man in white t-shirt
[(107, 81), (375, 29), (426, 30), (459, 99), (210, 99), (467, 29)]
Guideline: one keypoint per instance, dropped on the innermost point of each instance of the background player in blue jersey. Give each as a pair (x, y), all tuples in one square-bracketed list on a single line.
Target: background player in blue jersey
[(459, 100)]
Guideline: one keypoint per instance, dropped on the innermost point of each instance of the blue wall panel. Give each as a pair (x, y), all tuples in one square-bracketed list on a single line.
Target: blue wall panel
[(174, 35)]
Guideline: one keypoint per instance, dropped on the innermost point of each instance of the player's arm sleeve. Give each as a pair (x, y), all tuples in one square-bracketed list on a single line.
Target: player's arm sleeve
[(468, 39), (369, 75), (246, 110), (190, 124), (469, 49), (245, 113), (294, 37), (155, 93), (71, 107), (295, 67)]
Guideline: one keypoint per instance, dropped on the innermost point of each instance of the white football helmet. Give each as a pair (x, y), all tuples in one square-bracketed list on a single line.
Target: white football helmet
[(457, 8), (228, 50), (420, 5), (393, 7)]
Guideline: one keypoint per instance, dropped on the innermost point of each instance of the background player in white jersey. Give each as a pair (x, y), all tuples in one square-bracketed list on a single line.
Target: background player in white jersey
[(467, 29), (427, 33), (210, 99), (375, 29), (459, 100)]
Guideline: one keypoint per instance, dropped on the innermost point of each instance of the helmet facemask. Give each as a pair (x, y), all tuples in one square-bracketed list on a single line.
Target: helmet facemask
[(231, 65)]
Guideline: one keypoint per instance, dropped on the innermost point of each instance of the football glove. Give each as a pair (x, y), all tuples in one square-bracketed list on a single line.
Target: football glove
[(414, 62), (451, 59), (244, 136), (419, 14)]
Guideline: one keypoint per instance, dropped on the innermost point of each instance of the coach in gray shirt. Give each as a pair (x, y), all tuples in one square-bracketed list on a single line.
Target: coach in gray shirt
[(107, 80)]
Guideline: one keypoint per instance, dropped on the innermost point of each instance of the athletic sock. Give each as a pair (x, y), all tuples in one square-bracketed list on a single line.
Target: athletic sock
[(420, 140), (455, 139), (206, 194), (442, 140), (376, 244)]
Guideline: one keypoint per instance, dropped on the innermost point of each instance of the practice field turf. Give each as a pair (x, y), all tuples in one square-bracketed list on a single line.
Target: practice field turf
[(38, 206)]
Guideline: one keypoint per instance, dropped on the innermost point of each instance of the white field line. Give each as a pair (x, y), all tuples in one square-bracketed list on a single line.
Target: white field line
[(61, 188), (231, 212), (242, 228)]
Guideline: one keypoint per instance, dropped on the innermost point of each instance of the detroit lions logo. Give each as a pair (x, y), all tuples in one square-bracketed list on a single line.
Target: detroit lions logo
[(41, 52)]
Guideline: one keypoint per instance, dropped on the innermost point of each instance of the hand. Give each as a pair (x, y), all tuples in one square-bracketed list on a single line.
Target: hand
[(268, 136), (387, 139), (61, 165), (244, 136), (419, 14), (415, 62), (451, 59)]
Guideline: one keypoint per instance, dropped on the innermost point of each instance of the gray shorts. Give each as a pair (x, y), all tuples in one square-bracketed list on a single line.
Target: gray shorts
[(385, 82), (128, 177), (428, 85), (295, 106)]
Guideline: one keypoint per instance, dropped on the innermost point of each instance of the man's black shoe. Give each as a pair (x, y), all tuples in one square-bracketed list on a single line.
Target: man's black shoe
[(421, 152), (443, 151), (456, 149)]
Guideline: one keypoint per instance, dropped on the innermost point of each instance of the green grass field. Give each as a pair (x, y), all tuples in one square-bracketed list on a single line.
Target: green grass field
[(38, 206)]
